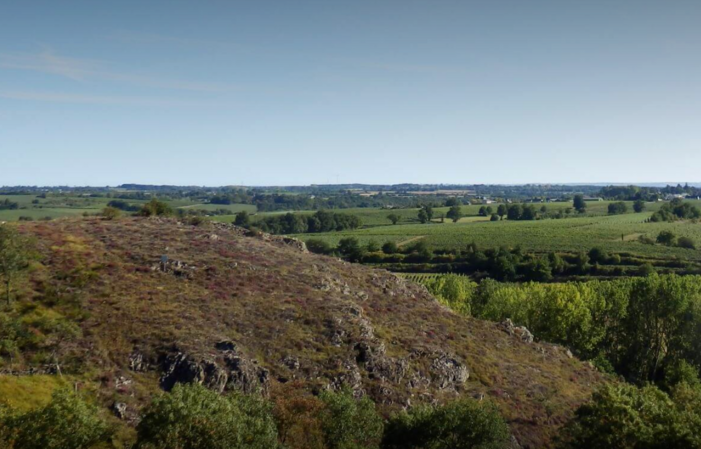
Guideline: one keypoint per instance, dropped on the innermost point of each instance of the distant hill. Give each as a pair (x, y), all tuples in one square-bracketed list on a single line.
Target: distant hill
[(235, 311)]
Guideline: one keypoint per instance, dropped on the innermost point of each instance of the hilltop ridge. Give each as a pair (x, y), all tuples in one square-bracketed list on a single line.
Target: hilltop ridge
[(237, 310)]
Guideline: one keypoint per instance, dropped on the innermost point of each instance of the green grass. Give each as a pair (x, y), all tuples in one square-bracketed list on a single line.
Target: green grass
[(69, 206), (28, 392), (563, 235)]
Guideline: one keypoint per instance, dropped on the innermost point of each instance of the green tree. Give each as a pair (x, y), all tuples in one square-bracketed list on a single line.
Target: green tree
[(390, 248), (350, 248), (193, 417), (394, 218), (514, 212), (373, 246), (242, 219), (482, 211), (454, 213), (318, 246), (155, 208), (494, 217), (579, 204), (111, 213), (349, 423), (462, 424), (617, 208), (639, 206), (15, 255), (423, 216), (66, 422), (667, 238), (502, 210), (621, 416)]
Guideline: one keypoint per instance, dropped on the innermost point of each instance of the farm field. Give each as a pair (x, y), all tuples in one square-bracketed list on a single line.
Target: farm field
[(372, 217), (617, 233), (36, 208)]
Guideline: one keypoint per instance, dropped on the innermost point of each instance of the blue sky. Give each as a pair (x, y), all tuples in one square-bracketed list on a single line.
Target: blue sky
[(300, 92)]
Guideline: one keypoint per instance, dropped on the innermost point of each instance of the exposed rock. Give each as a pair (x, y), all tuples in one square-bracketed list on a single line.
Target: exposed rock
[(448, 371), (136, 362), (518, 331), (120, 410)]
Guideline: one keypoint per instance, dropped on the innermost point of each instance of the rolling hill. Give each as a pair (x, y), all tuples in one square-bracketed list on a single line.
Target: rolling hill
[(237, 310)]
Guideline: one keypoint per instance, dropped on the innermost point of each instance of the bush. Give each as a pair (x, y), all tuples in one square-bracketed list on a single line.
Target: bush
[(155, 208), (686, 242), (617, 208), (623, 416), (110, 213), (319, 246), (349, 423), (67, 422), (667, 238), (193, 417), (390, 248), (463, 424)]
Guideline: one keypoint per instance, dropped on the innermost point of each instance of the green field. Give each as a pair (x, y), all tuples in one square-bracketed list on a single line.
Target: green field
[(617, 233), (67, 206)]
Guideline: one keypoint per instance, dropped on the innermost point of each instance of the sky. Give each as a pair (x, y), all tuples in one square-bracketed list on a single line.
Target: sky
[(338, 91)]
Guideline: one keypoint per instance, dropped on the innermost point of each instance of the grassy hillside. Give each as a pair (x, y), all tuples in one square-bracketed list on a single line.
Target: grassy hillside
[(238, 312)]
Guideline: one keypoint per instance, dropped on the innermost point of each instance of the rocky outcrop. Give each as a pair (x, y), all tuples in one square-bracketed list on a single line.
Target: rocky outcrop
[(519, 332), (228, 370)]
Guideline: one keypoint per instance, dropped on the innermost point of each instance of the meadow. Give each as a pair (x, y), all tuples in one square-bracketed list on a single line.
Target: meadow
[(614, 233)]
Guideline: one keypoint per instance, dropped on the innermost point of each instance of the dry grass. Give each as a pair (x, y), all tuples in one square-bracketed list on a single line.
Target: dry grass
[(274, 301)]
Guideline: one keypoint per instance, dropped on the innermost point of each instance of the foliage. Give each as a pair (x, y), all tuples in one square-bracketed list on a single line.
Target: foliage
[(349, 423), (242, 219), (579, 204), (193, 417), (111, 213), (676, 210), (639, 206), (640, 327), (394, 218), (321, 221), (67, 422), (15, 255), (625, 417), (617, 208), (319, 246), (462, 424), (156, 208), (454, 213)]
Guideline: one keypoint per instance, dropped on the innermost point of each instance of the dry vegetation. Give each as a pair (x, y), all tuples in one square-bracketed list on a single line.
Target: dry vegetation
[(251, 312)]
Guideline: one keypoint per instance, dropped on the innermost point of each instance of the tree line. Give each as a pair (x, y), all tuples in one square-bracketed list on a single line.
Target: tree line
[(193, 417)]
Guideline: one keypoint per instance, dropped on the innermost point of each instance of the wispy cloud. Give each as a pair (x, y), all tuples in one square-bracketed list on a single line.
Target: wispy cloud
[(89, 69), (61, 97)]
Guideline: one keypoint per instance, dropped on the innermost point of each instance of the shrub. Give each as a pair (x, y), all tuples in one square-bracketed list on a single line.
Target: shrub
[(296, 413), (666, 238), (110, 213), (242, 219), (390, 248), (193, 417), (686, 242), (67, 422), (463, 424), (617, 208), (349, 423), (623, 416), (319, 246), (155, 208)]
